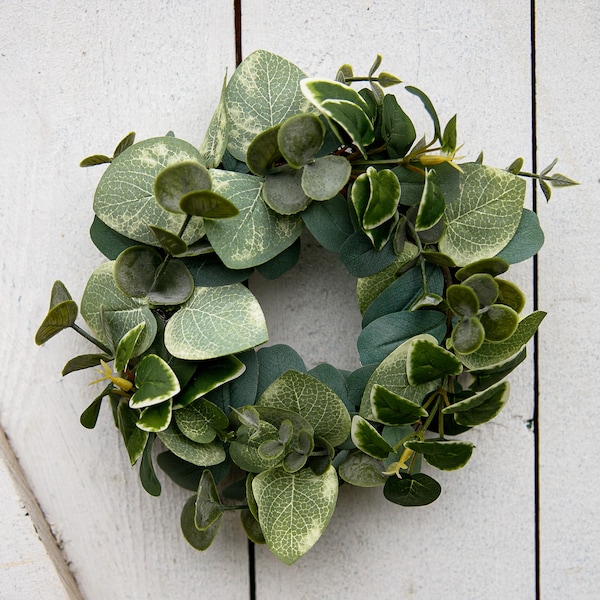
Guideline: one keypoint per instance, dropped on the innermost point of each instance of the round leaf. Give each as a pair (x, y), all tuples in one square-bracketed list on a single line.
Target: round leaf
[(263, 152), (177, 180), (462, 300), (299, 138), (134, 270), (324, 177), (484, 286), (216, 322), (124, 198), (283, 193), (468, 335), (207, 204), (412, 490), (173, 286), (499, 322)]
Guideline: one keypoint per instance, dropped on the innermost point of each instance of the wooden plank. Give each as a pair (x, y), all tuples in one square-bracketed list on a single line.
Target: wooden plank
[(568, 59), (74, 79), (31, 563), (477, 541)]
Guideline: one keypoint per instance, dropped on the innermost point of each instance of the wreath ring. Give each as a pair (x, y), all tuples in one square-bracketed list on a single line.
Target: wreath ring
[(427, 238)]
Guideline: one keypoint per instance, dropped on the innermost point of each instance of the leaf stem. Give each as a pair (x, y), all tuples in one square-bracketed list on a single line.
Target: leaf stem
[(92, 339)]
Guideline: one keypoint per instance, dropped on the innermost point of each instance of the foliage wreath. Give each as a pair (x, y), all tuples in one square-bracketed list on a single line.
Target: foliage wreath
[(184, 227)]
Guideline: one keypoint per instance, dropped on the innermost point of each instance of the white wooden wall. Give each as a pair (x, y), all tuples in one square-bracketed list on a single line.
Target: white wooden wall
[(75, 76)]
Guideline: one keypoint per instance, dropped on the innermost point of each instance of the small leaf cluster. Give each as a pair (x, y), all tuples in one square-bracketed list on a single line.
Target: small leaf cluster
[(179, 334)]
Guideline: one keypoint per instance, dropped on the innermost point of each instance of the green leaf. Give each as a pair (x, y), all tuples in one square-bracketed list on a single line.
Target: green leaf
[(369, 287), (200, 540), (249, 109), (263, 151), (467, 336), (391, 409), (256, 234), (216, 322), (362, 470), (89, 417), (85, 361), (157, 417), (134, 438), (386, 333), (169, 241), (484, 286), (251, 527), (317, 403), (183, 473), (329, 222), (102, 301), (126, 346), (209, 375), (492, 266), (391, 374), (324, 177), (397, 129), (494, 353), (147, 475), (432, 205), (274, 361), (134, 270), (155, 382), (300, 138), (59, 317), (124, 144), (208, 504), (427, 361), (499, 322), (484, 378), (368, 440), (201, 420), (515, 166), (283, 193), (449, 136), (202, 455), (343, 105), (480, 408), (215, 141), (375, 196), (510, 295), (447, 455), (294, 509), (527, 241), (173, 286), (412, 490), (107, 240), (177, 180), (483, 215), (125, 200), (404, 292), (283, 262), (208, 205), (95, 159), (462, 300), (428, 107), (361, 259)]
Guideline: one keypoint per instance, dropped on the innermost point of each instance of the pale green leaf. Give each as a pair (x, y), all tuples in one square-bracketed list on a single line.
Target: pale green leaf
[(257, 234), (202, 455), (294, 509), (102, 300), (214, 143), (317, 403), (263, 92), (484, 215), (124, 198), (215, 322), (362, 470)]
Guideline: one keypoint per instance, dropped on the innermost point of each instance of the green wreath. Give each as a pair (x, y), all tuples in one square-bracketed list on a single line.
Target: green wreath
[(429, 241)]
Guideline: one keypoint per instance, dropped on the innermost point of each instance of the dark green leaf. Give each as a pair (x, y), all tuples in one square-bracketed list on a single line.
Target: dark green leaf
[(59, 317), (526, 242), (462, 300), (95, 159), (107, 240), (147, 475), (208, 503), (134, 270), (428, 107), (329, 222), (283, 262), (127, 141), (84, 362), (499, 322), (447, 455), (492, 266), (300, 138), (208, 205), (427, 361), (467, 335), (361, 259), (263, 151), (169, 241), (391, 409), (200, 540), (367, 439), (480, 408), (397, 129), (183, 473), (412, 490)]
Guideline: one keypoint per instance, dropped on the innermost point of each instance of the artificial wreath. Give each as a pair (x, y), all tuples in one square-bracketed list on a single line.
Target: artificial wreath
[(249, 428)]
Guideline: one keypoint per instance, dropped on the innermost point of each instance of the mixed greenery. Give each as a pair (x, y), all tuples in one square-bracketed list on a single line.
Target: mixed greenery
[(429, 241)]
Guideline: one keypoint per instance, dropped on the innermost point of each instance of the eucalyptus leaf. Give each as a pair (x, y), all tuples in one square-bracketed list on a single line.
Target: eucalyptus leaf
[(200, 540), (263, 151), (257, 233), (215, 322), (208, 504), (202, 455), (324, 177), (294, 509), (215, 140), (125, 200), (107, 240), (208, 205), (313, 400), (397, 129), (527, 240), (59, 317), (249, 109), (490, 202), (201, 420), (169, 241), (103, 302), (84, 361), (283, 191), (412, 490), (300, 138), (362, 470), (329, 222)]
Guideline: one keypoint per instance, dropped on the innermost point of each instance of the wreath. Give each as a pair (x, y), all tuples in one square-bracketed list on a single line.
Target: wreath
[(249, 428)]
